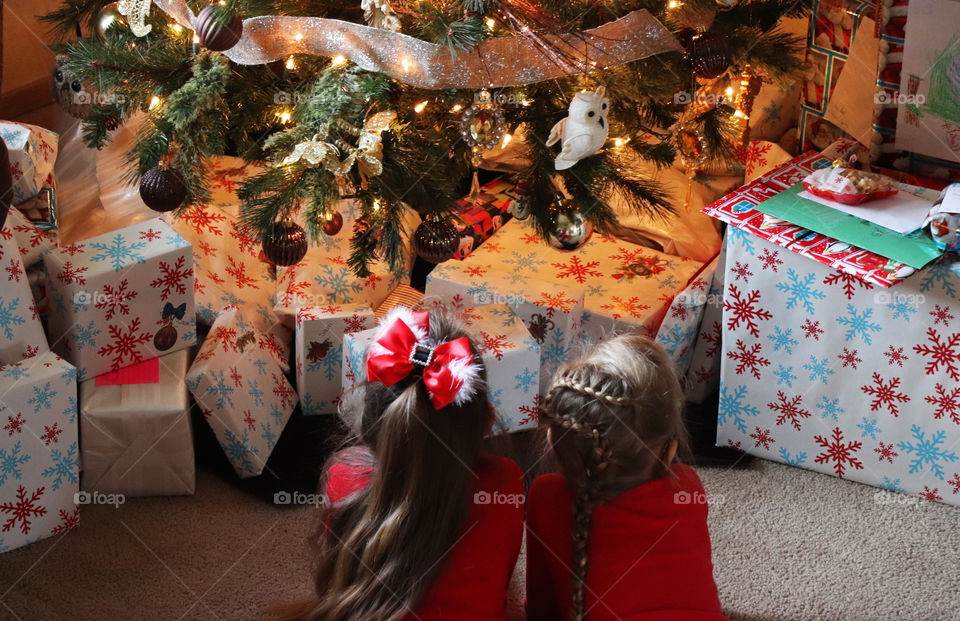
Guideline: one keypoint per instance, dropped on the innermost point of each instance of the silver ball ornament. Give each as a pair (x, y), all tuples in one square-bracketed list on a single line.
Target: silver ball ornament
[(569, 229)]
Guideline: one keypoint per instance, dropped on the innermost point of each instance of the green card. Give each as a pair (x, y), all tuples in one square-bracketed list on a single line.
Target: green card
[(915, 249)]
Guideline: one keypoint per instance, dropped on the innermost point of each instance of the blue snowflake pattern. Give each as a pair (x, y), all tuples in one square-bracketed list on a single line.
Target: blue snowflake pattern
[(525, 380), (86, 336), (193, 382), (742, 237), (10, 463), (830, 408), (944, 274), (277, 414), (16, 371), (239, 451), (506, 315), (9, 317), (119, 253), (892, 484), (785, 375), (795, 460), (309, 407), (902, 308), (773, 110), (481, 293), (801, 291), (267, 435), (267, 315), (42, 397), (221, 389), (206, 313), (229, 297), (71, 411), (556, 352), (676, 341), (819, 370), (670, 280), (339, 283), (859, 324), (68, 376), (869, 427), (255, 393), (522, 265), (733, 408), (66, 467), (331, 364), (927, 451), (597, 291), (261, 366), (783, 339), (496, 398)]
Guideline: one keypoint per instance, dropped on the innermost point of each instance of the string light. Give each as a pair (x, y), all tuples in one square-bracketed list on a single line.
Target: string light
[(176, 28), (506, 140), (337, 60), (284, 116), (196, 39), (619, 142), (729, 91), (405, 63), (154, 102), (673, 4), (456, 108), (298, 37), (290, 64), (420, 106), (376, 205), (491, 23)]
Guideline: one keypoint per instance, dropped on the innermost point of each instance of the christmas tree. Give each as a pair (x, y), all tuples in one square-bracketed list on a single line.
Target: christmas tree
[(393, 102)]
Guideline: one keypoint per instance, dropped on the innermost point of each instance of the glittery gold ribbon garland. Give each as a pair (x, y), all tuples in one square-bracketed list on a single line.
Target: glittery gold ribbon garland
[(495, 63)]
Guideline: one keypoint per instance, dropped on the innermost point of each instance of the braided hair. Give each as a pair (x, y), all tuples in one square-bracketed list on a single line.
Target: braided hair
[(611, 416)]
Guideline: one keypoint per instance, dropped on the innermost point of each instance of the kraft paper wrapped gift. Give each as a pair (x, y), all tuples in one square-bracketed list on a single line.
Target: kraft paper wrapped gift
[(33, 151), (240, 386), (21, 333), (137, 438), (511, 357), (39, 459), (120, 298), (319, 345)]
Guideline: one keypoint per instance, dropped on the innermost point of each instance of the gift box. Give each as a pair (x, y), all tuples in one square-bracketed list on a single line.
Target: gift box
[(678, 332), (480, 218), (33, 151), (137, 439), (319, 352), (827, 372), (403, 295), (120, 298), (240, 386), (41, 210), (510, 355), (31, 239), (39, 459), (21, 333)]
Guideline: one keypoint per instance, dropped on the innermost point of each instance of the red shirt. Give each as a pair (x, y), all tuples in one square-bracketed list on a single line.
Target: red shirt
[(472, 583), (649, 556)]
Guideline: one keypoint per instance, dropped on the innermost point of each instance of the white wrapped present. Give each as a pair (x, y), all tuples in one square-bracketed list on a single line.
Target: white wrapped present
[(21, 333), (240, 386), (121, 298), (33, 151), (319, 345), (39, 457), (137, 439)]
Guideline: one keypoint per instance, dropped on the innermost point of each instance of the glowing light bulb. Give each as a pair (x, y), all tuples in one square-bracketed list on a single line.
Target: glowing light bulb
[(284, 116), (154, 102), (491, 23), (525, 103), (196, 39), (298, 37), (223, 3), (619, 142), (672, 4), (405, 63), (376, 205), (456, 108), (420, 106), (729, 91), (506, 140), (176, 28), (290, 64), (338, 60)]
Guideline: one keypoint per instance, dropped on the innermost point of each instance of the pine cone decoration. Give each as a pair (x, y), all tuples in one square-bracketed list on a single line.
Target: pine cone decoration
[(215, 36)]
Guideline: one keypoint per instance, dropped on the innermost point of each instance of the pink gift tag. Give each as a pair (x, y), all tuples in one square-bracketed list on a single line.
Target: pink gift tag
[(146, 372)]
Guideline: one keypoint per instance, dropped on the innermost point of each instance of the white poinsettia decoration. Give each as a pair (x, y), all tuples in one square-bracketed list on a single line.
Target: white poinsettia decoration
[(379, 14)]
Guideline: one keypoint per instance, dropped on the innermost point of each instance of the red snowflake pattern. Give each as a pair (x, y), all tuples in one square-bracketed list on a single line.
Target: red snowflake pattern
[(737, 446), (789, 409), (207, 249), (239, 273), (626, 256), (173, 278), (150, 235), (577, 270), (492, 246), (955, 483), (895, 356), (930, 494), (272, 345), (476, 271), (741, 271), (249, 420), (941, 314), (14, 270), (72, 249), (531, 413), (947, 403), (838, 453), (885, 394), (68, 521), (944, 353), (770, 260), (225, 336), (70, 273), (236, 377), (245, 241), (115, 299), (745, 310), (756, 153), (555, 302), (886, 452), (702, 374), (14, 424), (199, 287), (203, 220), (714, 338), (849, 358), (622, 307), (748, 358), (293, 293), (282, 391), (51, 433), (23, 509), (679, 311), (495, 344), (216, 278), (763, 438), (811, 329), (371, 281), (354, 324), (847, 282), (125, 344)]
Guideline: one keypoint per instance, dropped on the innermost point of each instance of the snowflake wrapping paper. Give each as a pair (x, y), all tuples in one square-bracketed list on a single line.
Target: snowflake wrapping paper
[(239, 384), (703, 373), (738, 209), (31, 239), (510, 354), (320, 331), (323, 276), (121, 297), (824, 371), (33, 151), (228, 270), (21, 333), (137, 439), (678, 332), (39, 458)]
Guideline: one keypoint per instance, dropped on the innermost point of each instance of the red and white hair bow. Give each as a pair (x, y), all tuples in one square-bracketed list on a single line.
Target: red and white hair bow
[(403, 344)]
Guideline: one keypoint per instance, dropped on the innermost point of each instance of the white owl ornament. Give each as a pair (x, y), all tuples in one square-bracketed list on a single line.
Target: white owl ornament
[(585, 129)]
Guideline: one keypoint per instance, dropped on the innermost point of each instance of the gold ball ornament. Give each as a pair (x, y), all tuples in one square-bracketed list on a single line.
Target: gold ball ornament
[(108, 17)]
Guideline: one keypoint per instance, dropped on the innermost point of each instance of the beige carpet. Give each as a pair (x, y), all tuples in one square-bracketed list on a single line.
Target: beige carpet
[(788, 544)]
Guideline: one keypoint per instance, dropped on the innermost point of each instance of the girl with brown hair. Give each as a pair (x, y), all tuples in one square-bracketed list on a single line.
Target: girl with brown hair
[(420, 523), (621, 531)]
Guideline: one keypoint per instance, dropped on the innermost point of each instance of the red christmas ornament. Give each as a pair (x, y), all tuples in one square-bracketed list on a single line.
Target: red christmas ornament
[(165, 338), (333, 223)]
